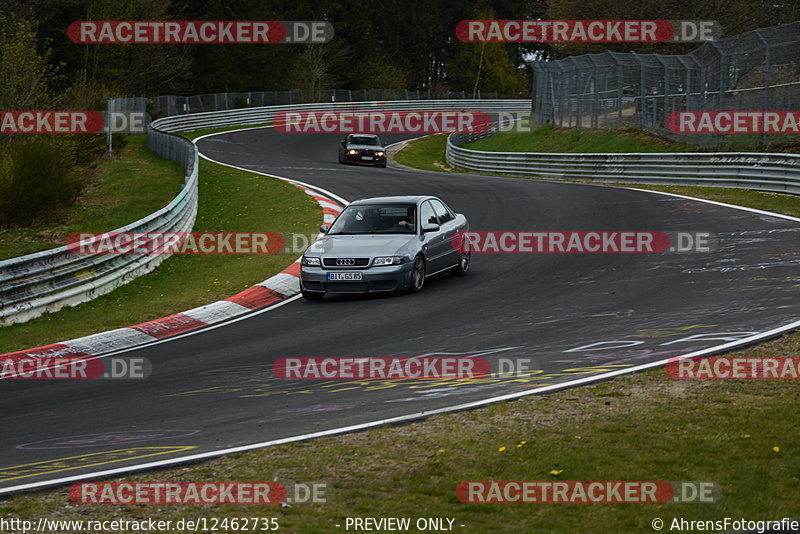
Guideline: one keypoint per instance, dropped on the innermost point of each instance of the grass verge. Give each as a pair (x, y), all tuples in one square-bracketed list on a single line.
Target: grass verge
[(571, 140), (549, 139), (121, 191), (230, 200)]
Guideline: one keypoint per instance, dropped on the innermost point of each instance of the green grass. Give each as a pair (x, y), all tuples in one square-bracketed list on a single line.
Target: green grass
[(574, 140), (230, 200), (549, 139), (122, 190), (638, 427), (426, 153)]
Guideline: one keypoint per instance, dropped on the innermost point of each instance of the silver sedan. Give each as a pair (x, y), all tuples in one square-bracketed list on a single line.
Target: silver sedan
[(382, 245)]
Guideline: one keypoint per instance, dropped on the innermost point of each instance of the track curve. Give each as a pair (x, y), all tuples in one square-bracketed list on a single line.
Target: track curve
[(214, 390)]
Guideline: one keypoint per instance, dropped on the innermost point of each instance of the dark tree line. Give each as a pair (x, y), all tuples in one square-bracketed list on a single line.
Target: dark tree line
[(389, 44)]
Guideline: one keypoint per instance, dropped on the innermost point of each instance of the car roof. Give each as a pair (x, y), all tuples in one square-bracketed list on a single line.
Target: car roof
[(392, 200), (363, 134)]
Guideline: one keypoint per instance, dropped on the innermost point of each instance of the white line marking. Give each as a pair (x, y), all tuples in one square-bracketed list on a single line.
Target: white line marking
[(744, 208)]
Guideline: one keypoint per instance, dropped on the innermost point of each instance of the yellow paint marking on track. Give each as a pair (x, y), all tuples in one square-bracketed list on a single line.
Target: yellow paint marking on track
[(85, 460)]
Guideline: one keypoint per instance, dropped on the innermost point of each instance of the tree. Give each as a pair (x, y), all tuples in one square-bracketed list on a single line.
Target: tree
[(486, 67), (314, 70), (25, 72)]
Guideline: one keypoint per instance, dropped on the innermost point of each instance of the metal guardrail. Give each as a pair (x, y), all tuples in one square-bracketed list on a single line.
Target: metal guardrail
[(778, 173), (249, 116), (49, 280)]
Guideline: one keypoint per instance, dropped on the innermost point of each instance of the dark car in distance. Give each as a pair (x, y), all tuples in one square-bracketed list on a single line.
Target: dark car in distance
[(362, 148)]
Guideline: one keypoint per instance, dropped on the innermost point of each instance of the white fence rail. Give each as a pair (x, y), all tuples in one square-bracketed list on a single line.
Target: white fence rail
[(778, 173), (248, 116)]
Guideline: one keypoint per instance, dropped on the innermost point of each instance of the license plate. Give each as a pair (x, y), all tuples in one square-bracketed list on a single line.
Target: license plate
[(344, 277), (366, 158)]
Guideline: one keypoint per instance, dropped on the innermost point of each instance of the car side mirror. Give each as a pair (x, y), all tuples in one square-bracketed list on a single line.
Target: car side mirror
[(324, 228), (430, 227)]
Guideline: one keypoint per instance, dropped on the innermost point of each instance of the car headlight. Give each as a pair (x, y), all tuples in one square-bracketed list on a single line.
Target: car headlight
[(380, 153), (388, 260), (352, 152), (310, 260)]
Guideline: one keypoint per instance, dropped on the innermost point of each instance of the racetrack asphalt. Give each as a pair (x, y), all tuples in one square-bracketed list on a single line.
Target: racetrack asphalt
[(215, 389)]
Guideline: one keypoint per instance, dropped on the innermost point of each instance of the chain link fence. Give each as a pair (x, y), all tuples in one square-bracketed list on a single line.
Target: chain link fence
[(755, 71)]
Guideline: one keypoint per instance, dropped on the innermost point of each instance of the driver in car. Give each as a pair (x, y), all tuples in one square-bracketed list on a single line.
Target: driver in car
[(410, 220)]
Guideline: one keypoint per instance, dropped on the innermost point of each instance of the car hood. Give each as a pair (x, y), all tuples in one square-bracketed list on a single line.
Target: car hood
[(352, 246)]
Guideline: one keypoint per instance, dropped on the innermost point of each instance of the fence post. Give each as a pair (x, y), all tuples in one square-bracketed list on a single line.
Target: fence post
[(109, 136), (765, 100)]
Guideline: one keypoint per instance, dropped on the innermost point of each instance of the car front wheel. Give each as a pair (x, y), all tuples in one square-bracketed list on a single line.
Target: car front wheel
[(417, 275)]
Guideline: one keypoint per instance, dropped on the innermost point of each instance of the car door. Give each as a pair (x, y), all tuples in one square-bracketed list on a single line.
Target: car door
[(436, 246), (448, 228)]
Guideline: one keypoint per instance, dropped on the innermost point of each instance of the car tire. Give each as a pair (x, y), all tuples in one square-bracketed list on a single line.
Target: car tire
[(382, 165), (463, 265), (312, 295), (417, 275)]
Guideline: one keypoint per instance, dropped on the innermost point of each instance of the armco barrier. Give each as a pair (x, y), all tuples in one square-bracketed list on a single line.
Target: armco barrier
[(778, 173), (49, 280), (249, 116)]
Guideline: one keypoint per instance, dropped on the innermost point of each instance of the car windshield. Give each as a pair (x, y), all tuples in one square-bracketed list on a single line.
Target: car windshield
[(376, 219), (364, 140)]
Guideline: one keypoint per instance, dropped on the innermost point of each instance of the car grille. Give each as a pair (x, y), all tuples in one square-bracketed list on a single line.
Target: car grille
[(345, 263)]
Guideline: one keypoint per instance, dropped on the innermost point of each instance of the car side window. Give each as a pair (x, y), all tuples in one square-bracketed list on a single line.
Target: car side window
[(427, 215), (441, 212)]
